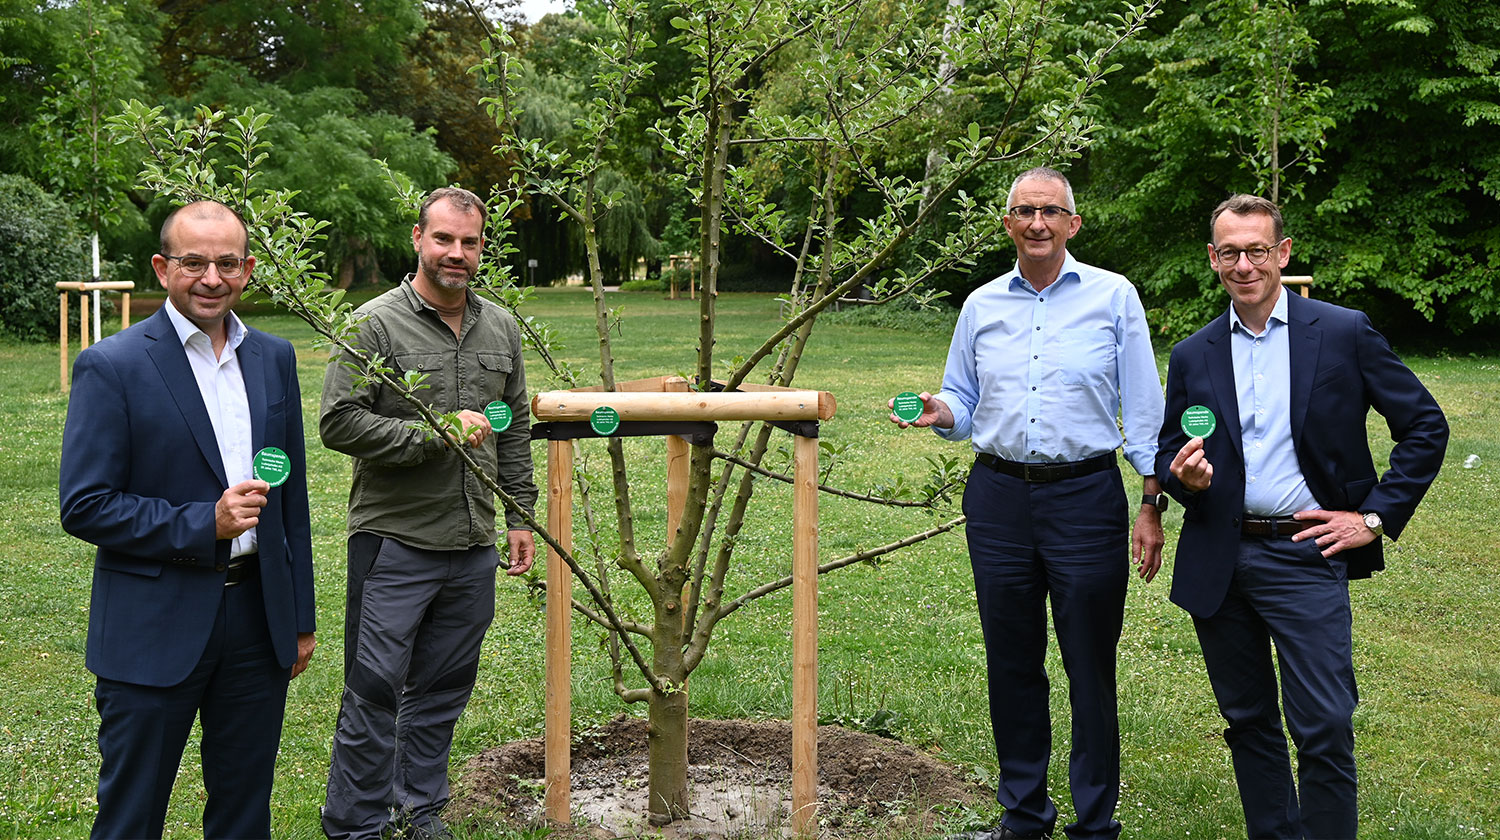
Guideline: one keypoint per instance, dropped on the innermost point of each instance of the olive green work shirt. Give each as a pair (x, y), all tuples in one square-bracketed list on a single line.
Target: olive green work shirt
[(408, 484)]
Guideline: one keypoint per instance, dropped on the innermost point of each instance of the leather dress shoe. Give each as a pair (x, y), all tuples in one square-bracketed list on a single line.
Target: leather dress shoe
[(1000, 832)]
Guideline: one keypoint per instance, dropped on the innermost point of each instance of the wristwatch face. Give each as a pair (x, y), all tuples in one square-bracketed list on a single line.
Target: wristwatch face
[(1372, 521)]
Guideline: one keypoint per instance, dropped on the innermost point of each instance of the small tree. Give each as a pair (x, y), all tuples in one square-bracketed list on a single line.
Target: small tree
[(869, 77)]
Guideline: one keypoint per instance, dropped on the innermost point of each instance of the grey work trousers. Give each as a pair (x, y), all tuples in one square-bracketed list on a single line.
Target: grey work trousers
[(413, 624)]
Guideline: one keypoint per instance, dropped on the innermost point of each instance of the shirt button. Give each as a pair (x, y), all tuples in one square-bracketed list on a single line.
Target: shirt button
[(1251, 479), (1257, 444), (1033, 387), (1259, 377), (1036, 357), (1038, 329), (1033, 419)]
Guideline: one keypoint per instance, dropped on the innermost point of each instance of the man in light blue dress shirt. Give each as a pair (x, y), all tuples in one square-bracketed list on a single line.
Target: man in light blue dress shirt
[(1048, 362)]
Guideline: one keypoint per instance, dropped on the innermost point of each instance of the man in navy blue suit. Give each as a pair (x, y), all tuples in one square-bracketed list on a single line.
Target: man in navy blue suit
[(1281, 508), (202, 601)]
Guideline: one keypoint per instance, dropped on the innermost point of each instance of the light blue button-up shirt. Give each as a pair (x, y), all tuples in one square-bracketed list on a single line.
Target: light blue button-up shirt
[(1045, 376), (1274, 485)]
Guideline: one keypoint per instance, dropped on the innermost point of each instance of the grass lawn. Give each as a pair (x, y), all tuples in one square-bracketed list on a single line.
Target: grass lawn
[(902, 635)]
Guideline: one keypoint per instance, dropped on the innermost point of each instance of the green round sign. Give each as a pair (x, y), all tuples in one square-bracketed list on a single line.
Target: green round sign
[(272, 466), (1198, 421), (604, 420), (907, 406), (499, 414)]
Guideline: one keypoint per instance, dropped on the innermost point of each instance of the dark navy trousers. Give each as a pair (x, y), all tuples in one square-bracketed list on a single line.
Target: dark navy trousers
[(1068, 541), (1286, 592), (239, 692)]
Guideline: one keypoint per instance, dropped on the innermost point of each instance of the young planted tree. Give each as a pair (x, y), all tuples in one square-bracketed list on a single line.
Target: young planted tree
[(868, 79), (859, 85)]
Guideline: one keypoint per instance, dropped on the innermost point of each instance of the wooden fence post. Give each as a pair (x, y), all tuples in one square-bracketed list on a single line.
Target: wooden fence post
[(558, 722), (805, 639)]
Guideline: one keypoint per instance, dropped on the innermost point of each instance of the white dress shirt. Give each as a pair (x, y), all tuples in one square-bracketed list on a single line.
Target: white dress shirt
[(222, 385)]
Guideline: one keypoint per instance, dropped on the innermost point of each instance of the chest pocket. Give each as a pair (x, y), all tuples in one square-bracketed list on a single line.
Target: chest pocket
[(494, 369), (436, 390), (1085, 356)]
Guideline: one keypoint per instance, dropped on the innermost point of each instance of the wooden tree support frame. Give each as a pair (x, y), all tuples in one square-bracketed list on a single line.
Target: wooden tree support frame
[(83, 287), (647, 406)]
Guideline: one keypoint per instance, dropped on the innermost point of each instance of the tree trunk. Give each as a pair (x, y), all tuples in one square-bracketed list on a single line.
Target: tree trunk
[(667, 715)]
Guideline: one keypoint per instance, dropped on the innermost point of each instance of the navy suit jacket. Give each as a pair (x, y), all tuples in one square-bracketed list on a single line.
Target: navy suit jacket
[(140, 476), (1340, 368)]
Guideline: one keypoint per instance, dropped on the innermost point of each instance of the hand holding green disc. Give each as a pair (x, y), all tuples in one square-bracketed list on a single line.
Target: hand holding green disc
[(499, 414), (272, 466), (1198, 421), (604, 420), (907, 406)]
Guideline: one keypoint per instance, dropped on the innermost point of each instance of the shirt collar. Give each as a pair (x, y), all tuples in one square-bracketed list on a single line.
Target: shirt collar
[(419, 303), (187, 329), (1068, 270), (1278, 314)]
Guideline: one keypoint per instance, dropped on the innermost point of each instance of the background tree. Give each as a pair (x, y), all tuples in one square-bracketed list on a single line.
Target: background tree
[(40, 246), (1398, 220)]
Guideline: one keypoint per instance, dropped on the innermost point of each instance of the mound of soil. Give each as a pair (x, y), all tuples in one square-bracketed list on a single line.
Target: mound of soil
[(740, 780)]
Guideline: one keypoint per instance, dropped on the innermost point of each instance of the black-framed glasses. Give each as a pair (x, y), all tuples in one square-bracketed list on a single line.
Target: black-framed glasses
[(192, 266), (1050, 213), (1256, 255)]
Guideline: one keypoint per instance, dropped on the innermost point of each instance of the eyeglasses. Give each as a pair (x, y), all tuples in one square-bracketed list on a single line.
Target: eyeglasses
[(228, 267), (1051, 213), (1257, 255)]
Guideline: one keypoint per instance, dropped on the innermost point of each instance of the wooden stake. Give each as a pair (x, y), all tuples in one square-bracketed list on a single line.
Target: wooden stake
[(83, 320), (805, 639), (62, 340), (124, 311), (558, 721)]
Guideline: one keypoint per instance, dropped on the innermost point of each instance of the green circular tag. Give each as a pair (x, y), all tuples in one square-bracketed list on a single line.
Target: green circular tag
[(498, 413), (1198, 421), (604, 420), (272, 466), (907, 406)]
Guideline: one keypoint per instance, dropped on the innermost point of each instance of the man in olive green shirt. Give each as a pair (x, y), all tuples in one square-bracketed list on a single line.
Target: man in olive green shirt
[(422, 555)]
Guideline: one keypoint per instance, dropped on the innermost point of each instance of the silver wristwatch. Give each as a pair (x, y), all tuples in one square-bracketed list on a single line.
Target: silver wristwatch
[(1372, 521)]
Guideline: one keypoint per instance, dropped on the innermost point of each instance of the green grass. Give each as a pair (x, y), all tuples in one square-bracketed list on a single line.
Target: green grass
[(902, 635)]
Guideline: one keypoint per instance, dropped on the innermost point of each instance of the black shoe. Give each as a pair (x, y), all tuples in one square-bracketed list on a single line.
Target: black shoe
[(428, 828), (1000, 832)]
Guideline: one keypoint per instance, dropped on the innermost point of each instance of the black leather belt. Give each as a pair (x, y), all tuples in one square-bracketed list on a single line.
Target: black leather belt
[(242, 569), (1256, 526), (1044, 473)]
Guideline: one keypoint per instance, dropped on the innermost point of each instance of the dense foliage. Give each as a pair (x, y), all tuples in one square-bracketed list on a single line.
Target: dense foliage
[(1373, 121), (40, 246)]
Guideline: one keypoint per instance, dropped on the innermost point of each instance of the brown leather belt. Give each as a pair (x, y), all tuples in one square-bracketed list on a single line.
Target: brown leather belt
[(1044, 473), (1254, 526)]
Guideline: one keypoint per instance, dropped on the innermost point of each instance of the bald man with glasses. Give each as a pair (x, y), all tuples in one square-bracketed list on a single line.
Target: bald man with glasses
[(1044, 359), (202, 603)]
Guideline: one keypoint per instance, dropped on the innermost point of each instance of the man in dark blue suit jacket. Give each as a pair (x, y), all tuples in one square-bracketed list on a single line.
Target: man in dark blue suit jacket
[(202, 598), (1281, 507)]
